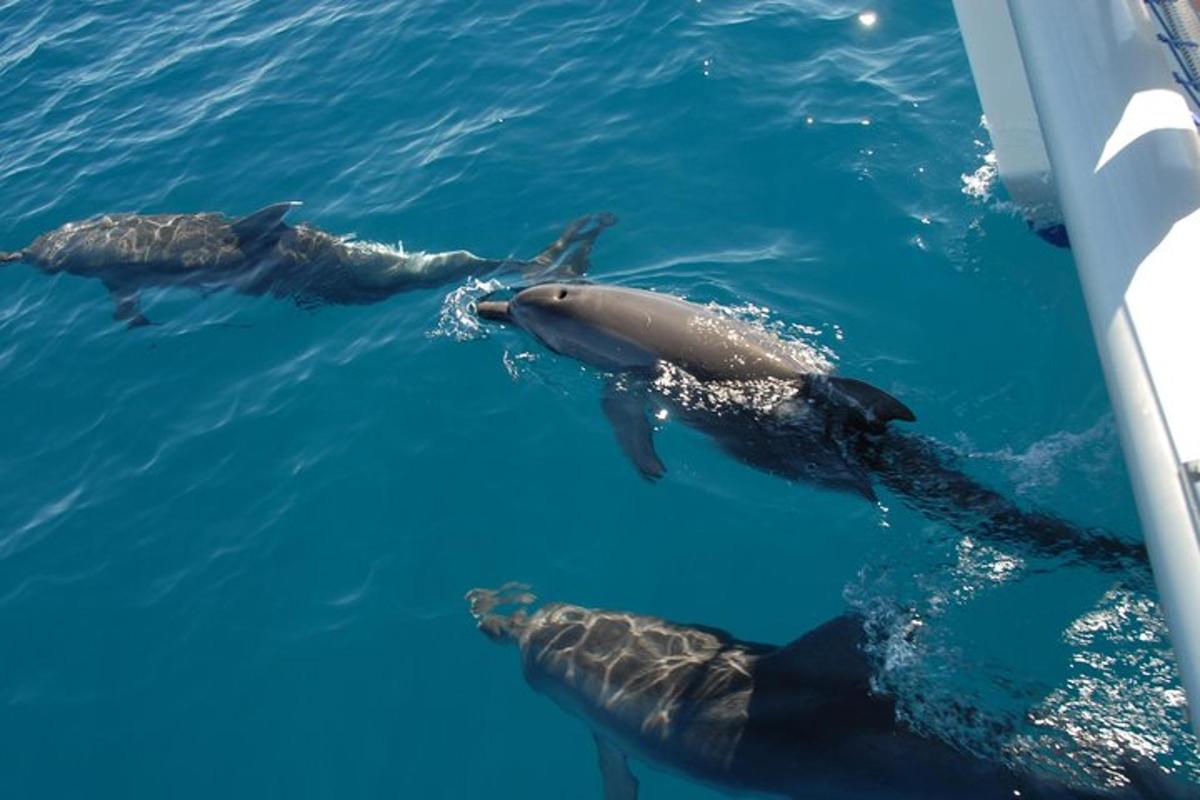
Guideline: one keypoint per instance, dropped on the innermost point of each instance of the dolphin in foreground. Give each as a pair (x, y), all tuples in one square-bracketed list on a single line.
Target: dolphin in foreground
[(261, 254), (798, 721), (768, 403)]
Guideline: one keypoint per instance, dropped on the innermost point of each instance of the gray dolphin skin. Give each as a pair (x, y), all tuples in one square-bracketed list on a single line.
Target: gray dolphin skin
[(261, 254), (762, 402), (634, 330), (798, 721), (730, 378)]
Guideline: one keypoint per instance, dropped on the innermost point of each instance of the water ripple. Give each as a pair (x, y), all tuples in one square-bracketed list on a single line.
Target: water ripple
[(253, 501)]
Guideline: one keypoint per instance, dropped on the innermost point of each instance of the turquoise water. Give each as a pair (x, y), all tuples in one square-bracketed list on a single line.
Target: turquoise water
[(233, 547)]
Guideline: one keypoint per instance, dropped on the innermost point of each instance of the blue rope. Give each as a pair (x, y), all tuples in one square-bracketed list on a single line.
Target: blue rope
[(1176, 43), (1190, 86), (1188, 81)]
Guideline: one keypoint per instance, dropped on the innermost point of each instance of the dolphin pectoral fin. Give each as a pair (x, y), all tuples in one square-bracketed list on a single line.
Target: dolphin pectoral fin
[(858, 483), (619, 782), (127, 308), (308, 301), (875, 406), (262, 223), (626, 412)]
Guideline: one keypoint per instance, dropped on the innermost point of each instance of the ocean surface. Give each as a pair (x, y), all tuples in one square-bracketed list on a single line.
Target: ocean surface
[(234, 546)]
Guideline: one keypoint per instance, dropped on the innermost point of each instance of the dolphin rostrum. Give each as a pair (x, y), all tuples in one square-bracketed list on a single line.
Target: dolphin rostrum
[(770, 404), (261, 254), (798, 721)]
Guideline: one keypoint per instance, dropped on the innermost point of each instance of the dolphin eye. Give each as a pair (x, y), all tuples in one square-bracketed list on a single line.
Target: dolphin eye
[(562, 293)]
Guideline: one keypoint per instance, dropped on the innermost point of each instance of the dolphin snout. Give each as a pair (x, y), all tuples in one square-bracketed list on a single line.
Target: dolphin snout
[(494, 309)]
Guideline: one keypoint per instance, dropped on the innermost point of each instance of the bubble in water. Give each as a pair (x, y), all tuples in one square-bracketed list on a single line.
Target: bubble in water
[(1122, 700), (456, 318), (980, 183), (1040, 467), (515, 363)]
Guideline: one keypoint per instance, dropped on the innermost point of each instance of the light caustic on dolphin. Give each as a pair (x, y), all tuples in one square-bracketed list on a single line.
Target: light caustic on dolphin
[(763, 403), (261, 254), (797, 721)]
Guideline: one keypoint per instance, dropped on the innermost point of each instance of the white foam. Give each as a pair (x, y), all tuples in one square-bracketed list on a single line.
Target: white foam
[(1122, 698), (457, 319), (1040, 466), (980, 184)]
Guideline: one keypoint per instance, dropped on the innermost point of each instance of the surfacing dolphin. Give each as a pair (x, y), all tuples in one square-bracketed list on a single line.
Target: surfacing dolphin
[(798, 721), (261, 254), (768, 403)]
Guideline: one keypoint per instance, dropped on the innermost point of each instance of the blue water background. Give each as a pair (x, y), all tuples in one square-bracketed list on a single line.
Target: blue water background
[(233, 547)]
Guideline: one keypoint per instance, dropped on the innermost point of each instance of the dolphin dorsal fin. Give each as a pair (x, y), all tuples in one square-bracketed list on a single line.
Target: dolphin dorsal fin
[(873, 405), (261, 223), (823, 679), (829, 654)]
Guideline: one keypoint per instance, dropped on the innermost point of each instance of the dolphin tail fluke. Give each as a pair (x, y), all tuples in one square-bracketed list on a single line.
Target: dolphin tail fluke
[(569, 256), (7, 258), (497, 625), (873, 406)]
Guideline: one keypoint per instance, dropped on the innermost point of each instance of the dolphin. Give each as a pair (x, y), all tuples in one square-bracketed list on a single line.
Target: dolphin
[(797, 721), (261, 254), (768, 403)]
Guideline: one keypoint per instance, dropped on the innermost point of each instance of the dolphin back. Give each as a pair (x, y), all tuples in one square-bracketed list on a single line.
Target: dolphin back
[(177, 241), (626, 329)]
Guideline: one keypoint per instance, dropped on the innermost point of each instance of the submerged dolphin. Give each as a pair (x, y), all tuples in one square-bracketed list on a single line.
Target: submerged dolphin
[(798, 721), (261, 254), (764, 403)]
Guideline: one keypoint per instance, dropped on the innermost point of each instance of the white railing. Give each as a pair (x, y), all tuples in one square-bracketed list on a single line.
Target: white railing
[(1123, 158)]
